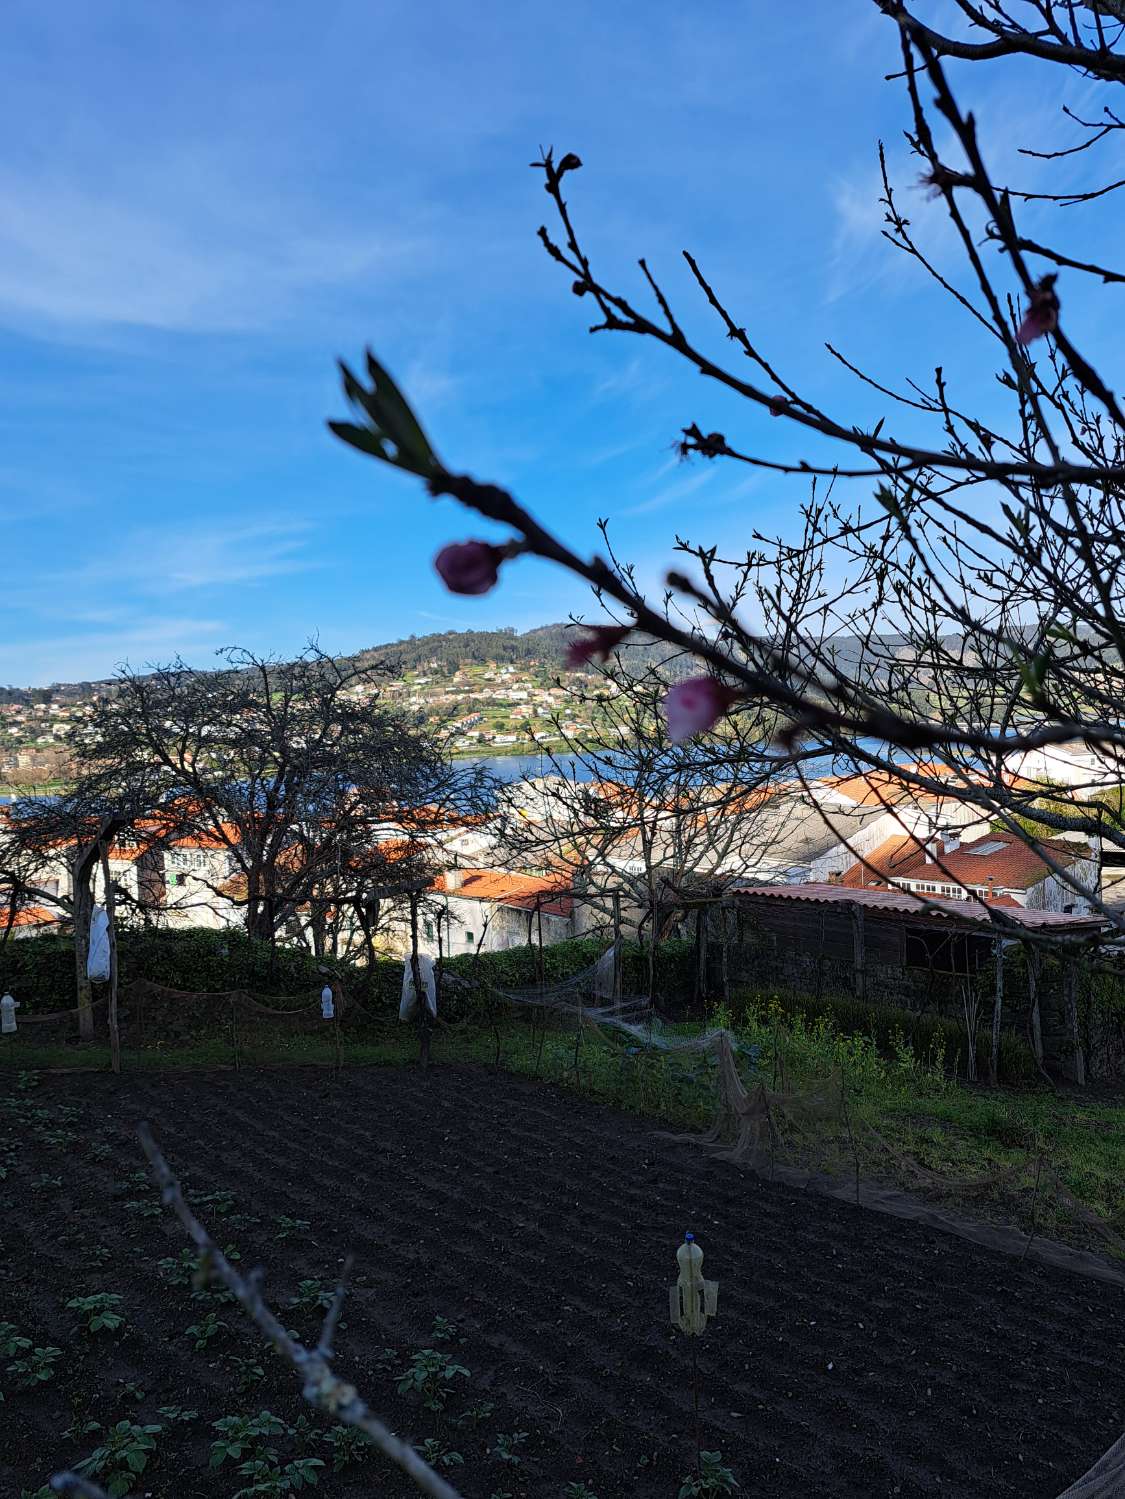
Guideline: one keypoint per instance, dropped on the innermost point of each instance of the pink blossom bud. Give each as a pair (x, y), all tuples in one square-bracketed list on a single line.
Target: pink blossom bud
[(694, 706), (1042, 314), (778, 405), (596, 647), (469, 566)]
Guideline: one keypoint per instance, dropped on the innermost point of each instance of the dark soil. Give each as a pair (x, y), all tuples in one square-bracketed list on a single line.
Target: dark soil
[(852, 1354)]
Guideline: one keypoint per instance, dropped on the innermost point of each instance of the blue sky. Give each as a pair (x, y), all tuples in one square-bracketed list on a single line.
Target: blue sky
[(202, 206)]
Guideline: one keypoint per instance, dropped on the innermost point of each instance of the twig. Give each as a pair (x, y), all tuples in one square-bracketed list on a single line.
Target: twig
[(321, 1387)]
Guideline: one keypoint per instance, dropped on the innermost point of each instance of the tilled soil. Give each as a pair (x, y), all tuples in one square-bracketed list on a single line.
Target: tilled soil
[(852, 1354)]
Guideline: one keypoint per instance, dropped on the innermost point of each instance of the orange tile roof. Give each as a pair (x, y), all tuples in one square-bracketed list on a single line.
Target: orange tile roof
[(503, 888), (890, 860), (29, 916), (1015, 864)]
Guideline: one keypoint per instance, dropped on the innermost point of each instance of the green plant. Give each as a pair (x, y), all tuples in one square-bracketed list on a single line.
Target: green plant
[(123, 1455), (180, 1269), (290, 1228), (438, 1455), (206, 1330), (242, 1436), (313, 1293), (443, 1330), (712, 1478), (428, 1375), (98, 1313), (504, 1447), (46, 1183), (35, 1367), (129, 1390), (10, 1341), (270, 1478), (176, 1415), (81, 1427), (249, 1372), (98, 1255), (142, 1207), (579, 1491), (476, 1415), (25, 1081), (348, 1444)]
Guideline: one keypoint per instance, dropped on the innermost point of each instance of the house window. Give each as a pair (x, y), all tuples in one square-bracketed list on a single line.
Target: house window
[(468, 937), (428, 928)]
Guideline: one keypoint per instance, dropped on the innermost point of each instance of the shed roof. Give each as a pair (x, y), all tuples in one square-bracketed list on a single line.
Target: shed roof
[(902, 902)]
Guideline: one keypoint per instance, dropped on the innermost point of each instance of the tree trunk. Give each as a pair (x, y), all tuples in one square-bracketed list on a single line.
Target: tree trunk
[(1035, 1021), (425, 1019), (859, 952), (997, 1010), (111, 912), (83, 910), (1070, 990)]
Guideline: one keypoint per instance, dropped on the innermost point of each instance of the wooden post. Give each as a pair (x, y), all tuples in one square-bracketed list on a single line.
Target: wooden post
[(859, 952), (1070, 991), (425, 1019), (724, 912), (997, 1011), (110, 911), (1035, 1023)]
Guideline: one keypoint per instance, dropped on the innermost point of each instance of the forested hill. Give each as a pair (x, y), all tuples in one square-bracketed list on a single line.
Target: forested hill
[(453, 648)]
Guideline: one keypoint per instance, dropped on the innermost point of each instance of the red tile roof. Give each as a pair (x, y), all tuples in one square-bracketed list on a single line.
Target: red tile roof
[(503, 888), (891, 860), (924, 908), (29, 916), (1014, 865)]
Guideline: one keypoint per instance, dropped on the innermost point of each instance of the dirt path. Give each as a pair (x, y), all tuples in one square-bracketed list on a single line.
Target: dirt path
[(853, 1354)]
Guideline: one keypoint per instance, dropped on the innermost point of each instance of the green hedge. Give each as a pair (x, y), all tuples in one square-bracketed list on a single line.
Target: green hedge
[(39, 971), (928, 1035)]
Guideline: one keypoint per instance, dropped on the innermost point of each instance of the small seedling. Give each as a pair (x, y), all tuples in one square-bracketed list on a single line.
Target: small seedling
[(270, 1479), (79, 1428), (348, 1444), (98, 1313), (476, 1415), (130, 1390), (313, 1293), (712, 1478), (218, 1204), (290, 1228), (36, 1367), (443, 1331), (249, 1371), (25, 1081), (143, 1207), (504, 1448), (46, 1183), (101, 1151), (242, 1436), (10, 1341), (180, 1269), (123, 1455), (206, 1330), (438, 1455), (98, 1255), (428, 1375), (176, 1415), (578, 1491)]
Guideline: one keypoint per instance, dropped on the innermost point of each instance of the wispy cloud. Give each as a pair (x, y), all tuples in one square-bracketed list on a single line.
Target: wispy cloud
[(671, 494)]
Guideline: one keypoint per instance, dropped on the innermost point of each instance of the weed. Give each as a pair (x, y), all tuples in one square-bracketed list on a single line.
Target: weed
[(313, 1293), (122, 1457)]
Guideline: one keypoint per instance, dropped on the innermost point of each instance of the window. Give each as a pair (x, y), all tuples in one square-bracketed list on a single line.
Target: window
[(428, 928), (468, 937)]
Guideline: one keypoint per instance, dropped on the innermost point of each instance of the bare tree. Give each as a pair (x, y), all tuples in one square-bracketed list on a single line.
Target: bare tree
[(955, 586)]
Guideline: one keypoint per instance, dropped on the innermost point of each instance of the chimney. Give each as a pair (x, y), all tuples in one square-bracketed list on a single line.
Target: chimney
[(454, 879), (939, 848)]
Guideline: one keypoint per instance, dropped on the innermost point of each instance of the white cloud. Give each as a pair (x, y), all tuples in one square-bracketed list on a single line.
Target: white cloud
[(202, 255), (83, 655)]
